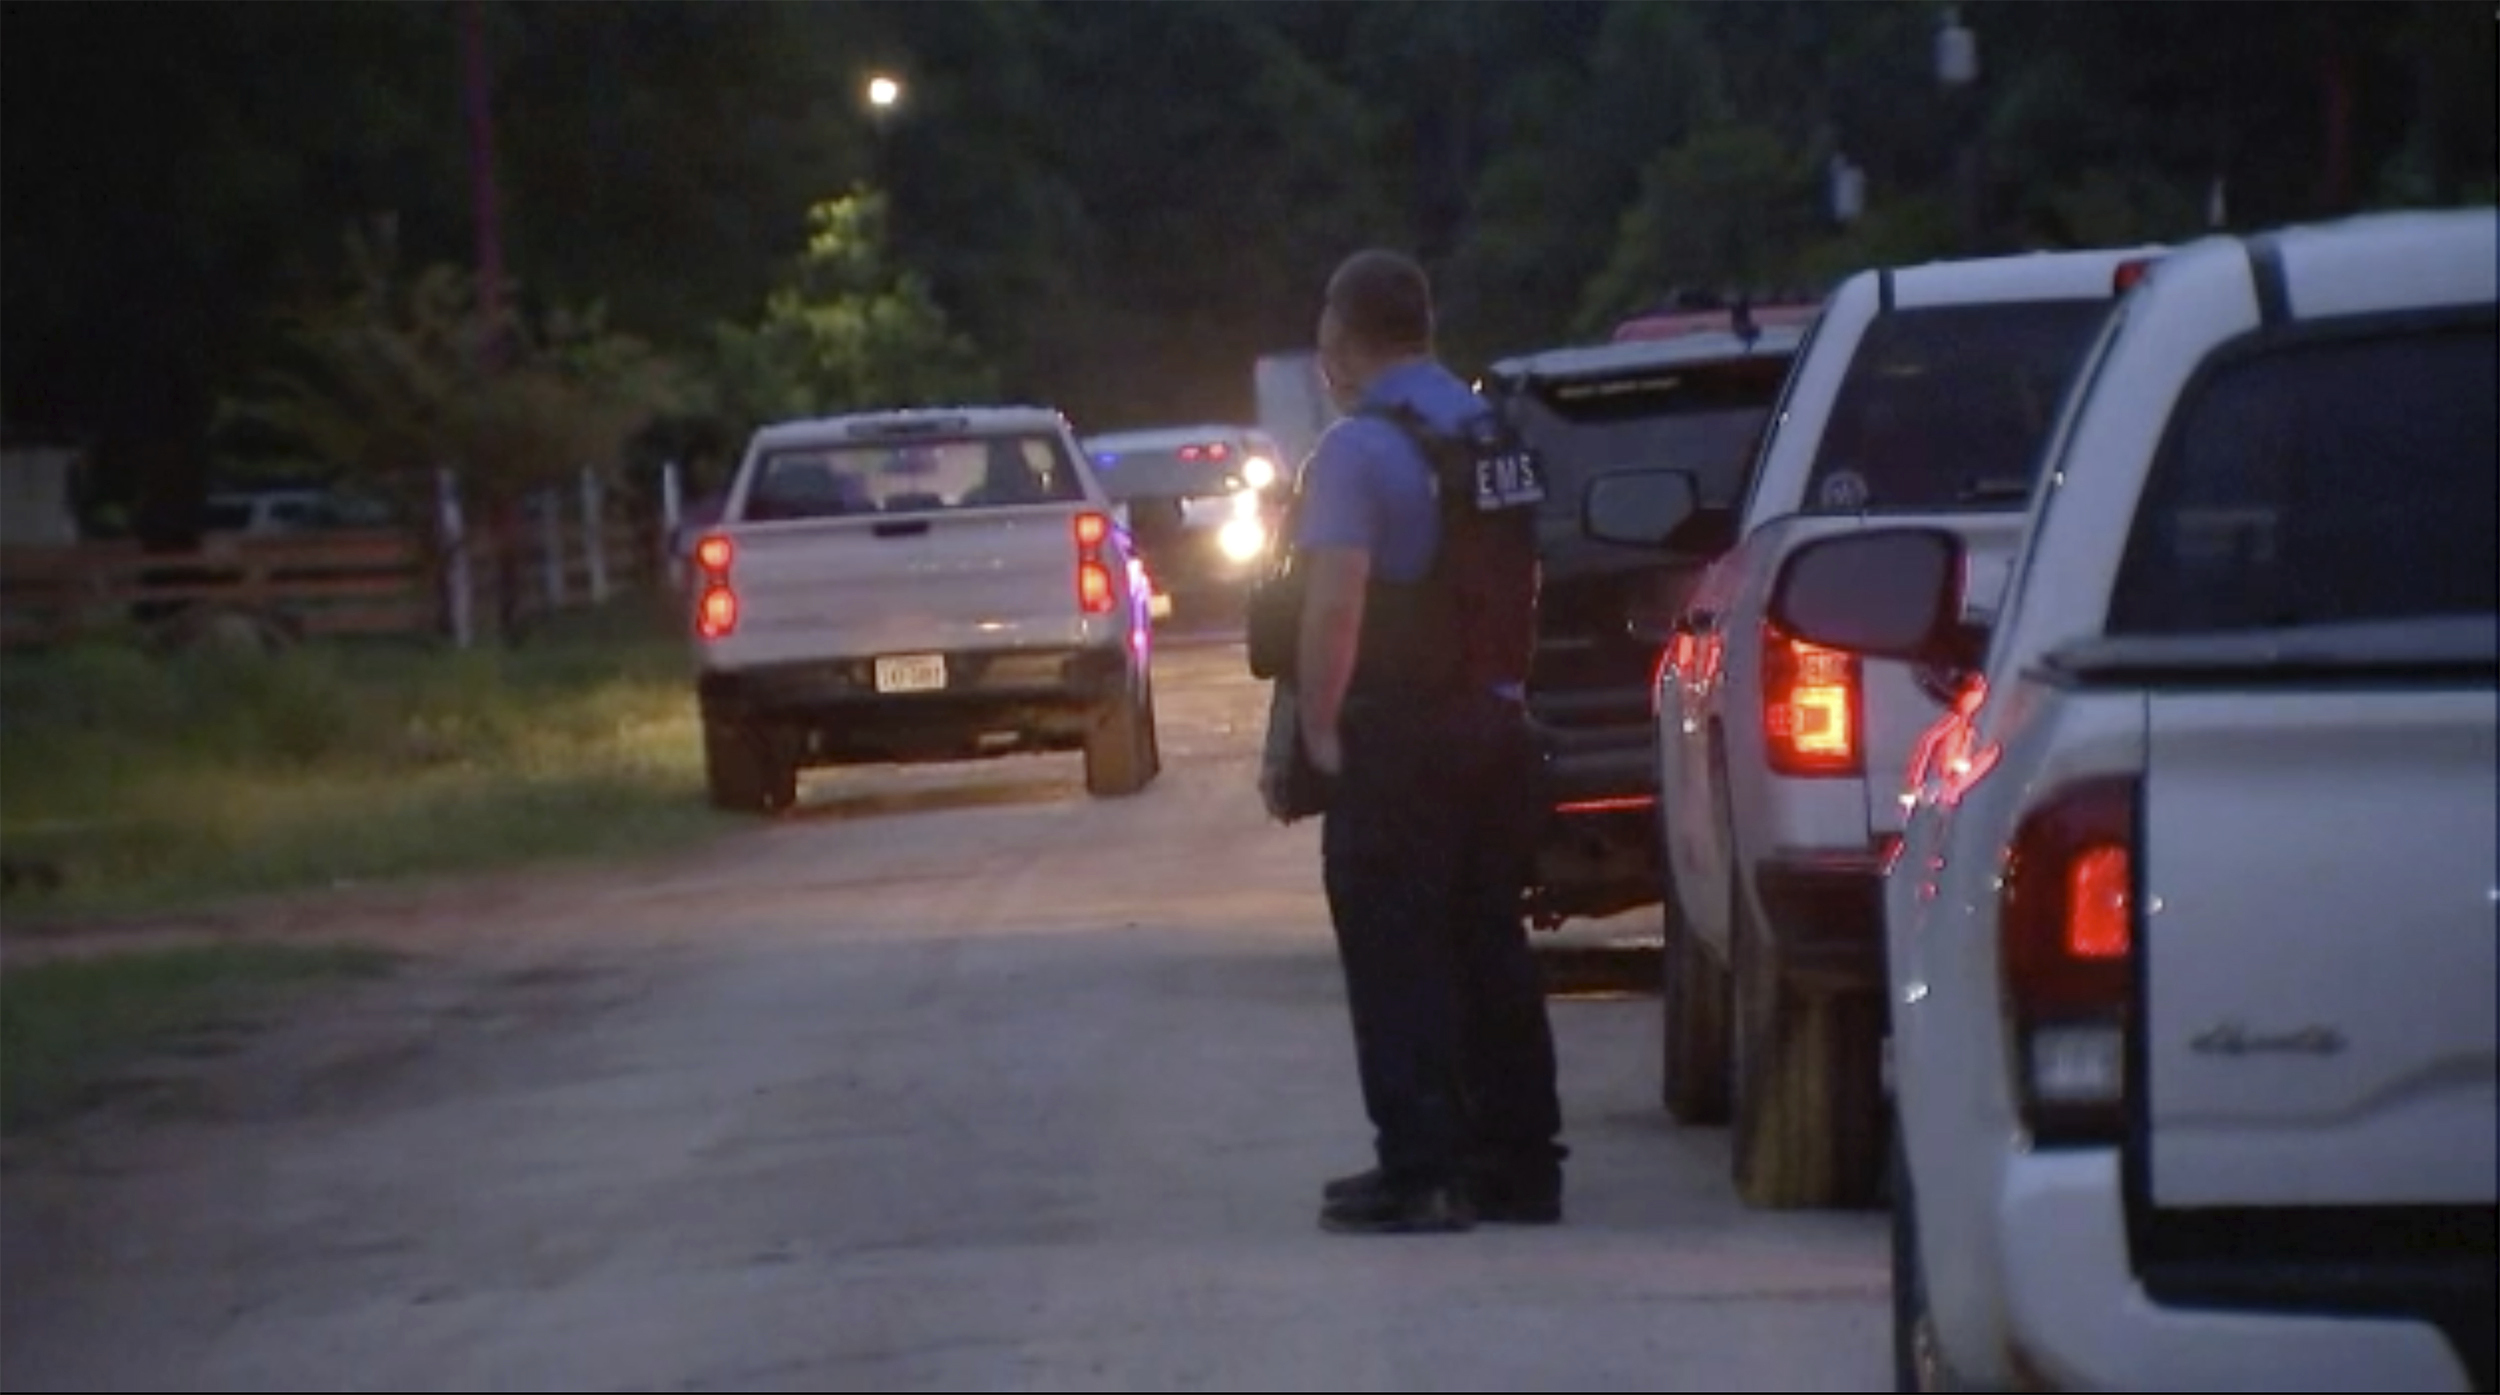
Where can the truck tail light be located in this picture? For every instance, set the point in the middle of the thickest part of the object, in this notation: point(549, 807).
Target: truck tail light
point(1095, 594)
point(2068, 918)
point(716, 601)
point(1810, 709)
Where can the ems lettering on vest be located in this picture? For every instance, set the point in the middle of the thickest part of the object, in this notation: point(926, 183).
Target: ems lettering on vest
point(1508, 480)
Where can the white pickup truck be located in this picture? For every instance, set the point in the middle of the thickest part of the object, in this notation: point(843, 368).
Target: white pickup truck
point(2192, 932)
point(926, 585)
point(1921, 392)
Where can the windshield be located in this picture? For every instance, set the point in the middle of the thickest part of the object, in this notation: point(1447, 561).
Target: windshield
point(1948, 406)
point(1705, 418)
point(919, 476)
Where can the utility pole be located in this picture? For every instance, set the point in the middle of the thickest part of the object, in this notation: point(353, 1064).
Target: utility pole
point(1957, 71)
point(459, 582)
point(484, 205)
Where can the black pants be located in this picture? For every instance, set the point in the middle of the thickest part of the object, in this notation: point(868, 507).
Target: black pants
point(1426, 845)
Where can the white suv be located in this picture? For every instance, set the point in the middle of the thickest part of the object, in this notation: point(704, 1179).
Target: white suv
point(1921, 392)
point(2192, 931)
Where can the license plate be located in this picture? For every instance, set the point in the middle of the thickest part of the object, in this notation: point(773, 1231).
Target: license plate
point(911, 673)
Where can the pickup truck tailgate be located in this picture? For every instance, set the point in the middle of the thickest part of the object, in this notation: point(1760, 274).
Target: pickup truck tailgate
point(998, 578)
point(2318, 889)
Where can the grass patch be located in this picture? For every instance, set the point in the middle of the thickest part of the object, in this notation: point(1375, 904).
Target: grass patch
point(151, 783)
point(67, 1025)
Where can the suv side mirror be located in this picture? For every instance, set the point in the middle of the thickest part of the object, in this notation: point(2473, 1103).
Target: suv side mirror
point(1890, 593)
point(1642, 508)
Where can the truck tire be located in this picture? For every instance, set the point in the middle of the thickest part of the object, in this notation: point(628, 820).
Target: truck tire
point(1808, 1094)
point(1692, 993)
point(1122, 752)
point(747, 770)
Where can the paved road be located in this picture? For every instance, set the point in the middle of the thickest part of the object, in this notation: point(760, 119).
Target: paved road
point(954, 1081)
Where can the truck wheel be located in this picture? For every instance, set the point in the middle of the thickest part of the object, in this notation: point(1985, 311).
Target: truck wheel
point(1122, 752)
point(1808, 1087)
point(1692, 993)
point(747, 770)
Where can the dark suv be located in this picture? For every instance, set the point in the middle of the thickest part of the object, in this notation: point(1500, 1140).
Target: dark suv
point(1697, 401)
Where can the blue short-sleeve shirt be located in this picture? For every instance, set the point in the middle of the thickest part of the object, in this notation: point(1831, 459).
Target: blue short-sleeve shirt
point(1367, 486)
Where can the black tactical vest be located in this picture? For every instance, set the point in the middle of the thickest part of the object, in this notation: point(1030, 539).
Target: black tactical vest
point(1469, 625)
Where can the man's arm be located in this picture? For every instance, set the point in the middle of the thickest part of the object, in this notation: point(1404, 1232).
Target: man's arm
point(1334, 579)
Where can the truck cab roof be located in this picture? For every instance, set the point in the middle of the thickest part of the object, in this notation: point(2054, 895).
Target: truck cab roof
point(913, 421)
point(1636, 355)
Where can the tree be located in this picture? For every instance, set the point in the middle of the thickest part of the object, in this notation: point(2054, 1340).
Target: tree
point(1731, 207)
point(397, 377)
point(846, 331)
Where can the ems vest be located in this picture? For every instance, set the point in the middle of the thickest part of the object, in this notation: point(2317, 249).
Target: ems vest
point(1469, 624)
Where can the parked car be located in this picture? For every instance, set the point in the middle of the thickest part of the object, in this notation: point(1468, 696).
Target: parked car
point(1205, 504)
point(292, 509)
point(2192, 929)
point(1697, 400)
point(923, 585)
point(1921, 392)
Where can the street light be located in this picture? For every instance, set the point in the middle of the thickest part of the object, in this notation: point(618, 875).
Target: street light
point(884, 93)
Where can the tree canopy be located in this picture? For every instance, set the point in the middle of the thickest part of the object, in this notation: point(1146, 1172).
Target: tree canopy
point(1108, 208)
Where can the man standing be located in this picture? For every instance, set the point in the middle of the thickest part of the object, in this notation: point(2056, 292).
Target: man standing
point(1410, 668)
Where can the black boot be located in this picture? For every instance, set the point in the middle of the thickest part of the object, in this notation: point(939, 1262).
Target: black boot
point(1372, 1203)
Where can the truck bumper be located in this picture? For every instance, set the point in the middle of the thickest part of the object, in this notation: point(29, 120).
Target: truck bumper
point(1598, 853)
point(992, 704)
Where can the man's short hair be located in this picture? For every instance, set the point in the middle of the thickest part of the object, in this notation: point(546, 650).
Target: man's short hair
point(1383, 300)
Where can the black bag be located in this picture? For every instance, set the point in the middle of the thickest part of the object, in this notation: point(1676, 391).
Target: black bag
point(1272, 619)
point(1289, 785)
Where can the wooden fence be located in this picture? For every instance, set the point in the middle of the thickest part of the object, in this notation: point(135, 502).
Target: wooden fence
point(311, 585)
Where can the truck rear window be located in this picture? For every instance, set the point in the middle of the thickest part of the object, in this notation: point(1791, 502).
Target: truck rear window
point(2322, 483)
point(1948, 406)
point(916, 476)
point(1706, 418)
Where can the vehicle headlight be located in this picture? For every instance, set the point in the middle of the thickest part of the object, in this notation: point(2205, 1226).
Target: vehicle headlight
point(1242, 538)
point(1258, 472)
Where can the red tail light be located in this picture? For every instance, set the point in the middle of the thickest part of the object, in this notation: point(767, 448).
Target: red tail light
point(2129, 272)
point(2068, 920)
point(1809, 707)
point(716, 615)
point(1094, 592)
point(1093, 588)
point(716, 606)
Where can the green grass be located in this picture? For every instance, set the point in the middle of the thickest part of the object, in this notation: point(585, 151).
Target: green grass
point(68, 1025)
point(156, 783)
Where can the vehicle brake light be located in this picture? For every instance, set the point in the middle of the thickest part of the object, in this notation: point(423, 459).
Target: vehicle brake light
point(716, 615)
point(1094, 592)
point(1093, 588)
point(716, 604)
point(1809, 706)
point(2067, 917)
point(2130, 271)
